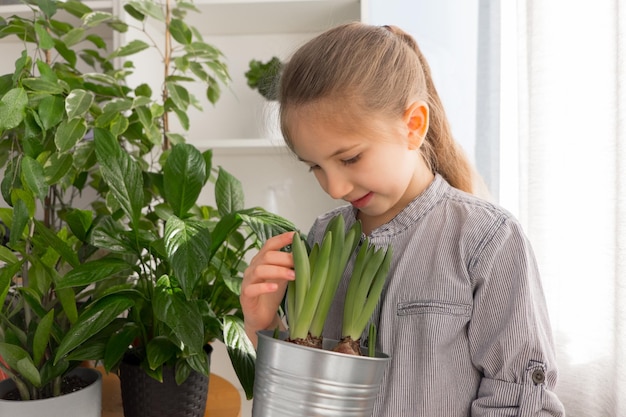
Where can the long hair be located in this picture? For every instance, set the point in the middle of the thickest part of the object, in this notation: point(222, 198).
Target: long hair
point(381, 69)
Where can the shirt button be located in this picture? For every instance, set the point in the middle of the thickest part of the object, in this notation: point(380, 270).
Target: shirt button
point(539, 376)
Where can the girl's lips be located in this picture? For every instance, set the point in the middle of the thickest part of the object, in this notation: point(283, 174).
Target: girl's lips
point(362, 202)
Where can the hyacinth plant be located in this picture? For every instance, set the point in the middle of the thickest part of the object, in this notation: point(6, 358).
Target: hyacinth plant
point(318, 274)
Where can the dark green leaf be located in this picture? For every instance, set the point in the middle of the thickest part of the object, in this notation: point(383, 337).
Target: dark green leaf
point(94, 271)
point(159, 350)
point(187, 244)
point(121, 173)
point(229, 195)
point(118, 344)
point(18, 358)
point(95, 318)
point(51, 240)
point(183, 178)
point(179, 315)
point(42, 336)
point(50, 111)
point(68, 54)
point(20, 220)
point(241, 352)
point(79, 222)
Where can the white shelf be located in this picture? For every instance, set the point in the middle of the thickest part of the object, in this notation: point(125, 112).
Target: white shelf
point(244, 17)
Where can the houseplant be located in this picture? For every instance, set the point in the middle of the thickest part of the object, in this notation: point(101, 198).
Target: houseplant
point(137, 244)
point(334, 377)
point(47, 106)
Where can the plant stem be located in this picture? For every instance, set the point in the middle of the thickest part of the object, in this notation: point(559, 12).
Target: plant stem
point(166, 69)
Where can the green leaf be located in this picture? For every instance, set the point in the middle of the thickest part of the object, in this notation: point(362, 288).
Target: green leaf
point(49, 7)
point(95, 318)
point(181, 316)
point(187, 244)
point(121, 173)
point(57, 166)
point(20, 220)
point(68, 54)
point(94, 19)
point(50, 111)
point(42, 336)
point(69, 133)
point(75, 8)
point(242, 353)
point(130, 48)
point(178, 94)
point(229, 195)
point(7, 255)
point(13, 108)
point(150, 8)
point(18, 358)
point(160, 350)
point(265, 224)
point(183, 178)
point(67, 297)
point(94, 271)
point(78, 102)
point(118, 344)
point(34, 178)
point(43, 37)
point(74, 36)
point(79, 222)
point(49, 239)
point(180, 31)
point(42, 86)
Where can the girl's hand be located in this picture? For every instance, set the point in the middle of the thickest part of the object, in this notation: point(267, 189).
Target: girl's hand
point(264, 285)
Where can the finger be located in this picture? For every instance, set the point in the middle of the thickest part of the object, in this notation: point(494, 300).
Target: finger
point(279, 241)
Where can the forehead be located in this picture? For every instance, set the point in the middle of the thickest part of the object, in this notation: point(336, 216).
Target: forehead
point(325, 126)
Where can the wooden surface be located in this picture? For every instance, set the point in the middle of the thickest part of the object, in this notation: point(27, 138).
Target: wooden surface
point(223, 399)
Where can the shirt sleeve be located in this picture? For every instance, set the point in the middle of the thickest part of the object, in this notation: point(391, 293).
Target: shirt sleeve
point(509, 333)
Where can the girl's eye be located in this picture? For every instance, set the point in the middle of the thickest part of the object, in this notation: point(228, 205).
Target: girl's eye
point(352, 160)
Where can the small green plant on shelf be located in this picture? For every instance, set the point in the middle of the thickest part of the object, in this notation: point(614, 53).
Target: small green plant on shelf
point(264, 76)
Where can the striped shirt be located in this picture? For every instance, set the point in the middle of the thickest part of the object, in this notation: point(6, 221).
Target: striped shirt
point(462, 316)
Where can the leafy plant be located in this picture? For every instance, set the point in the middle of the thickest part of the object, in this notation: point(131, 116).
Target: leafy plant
point(144, 265)
point(263, 76)
point(318, 273)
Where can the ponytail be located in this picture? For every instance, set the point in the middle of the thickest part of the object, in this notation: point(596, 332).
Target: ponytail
point(441, 152)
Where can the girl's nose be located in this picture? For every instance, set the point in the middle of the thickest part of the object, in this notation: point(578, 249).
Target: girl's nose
point(337, 186)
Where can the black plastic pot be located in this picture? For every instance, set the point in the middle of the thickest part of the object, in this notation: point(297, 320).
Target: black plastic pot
point(143, 396)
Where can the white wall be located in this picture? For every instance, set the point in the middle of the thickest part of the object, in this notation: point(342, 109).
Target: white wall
point(447, 33)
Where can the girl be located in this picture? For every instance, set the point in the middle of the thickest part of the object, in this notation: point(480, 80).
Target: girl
point(463, 316)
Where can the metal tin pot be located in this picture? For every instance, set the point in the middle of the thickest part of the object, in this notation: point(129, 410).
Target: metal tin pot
point(293, 380)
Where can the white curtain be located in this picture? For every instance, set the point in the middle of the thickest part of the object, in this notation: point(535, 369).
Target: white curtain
point(563, 172)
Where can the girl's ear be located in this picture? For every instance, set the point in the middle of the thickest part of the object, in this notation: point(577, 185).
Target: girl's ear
point(416, 119)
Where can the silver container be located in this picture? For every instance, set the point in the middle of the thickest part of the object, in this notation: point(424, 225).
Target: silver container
point(293, 380)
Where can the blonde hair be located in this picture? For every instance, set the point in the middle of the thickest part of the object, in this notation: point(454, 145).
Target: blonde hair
point(382, 69)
